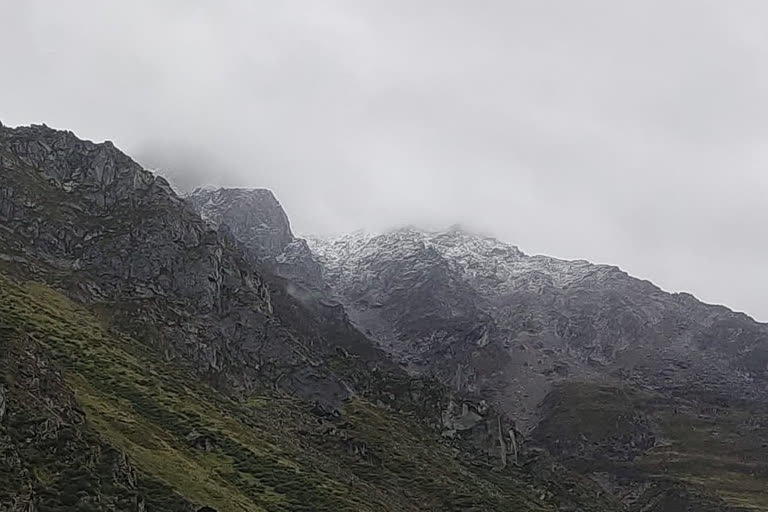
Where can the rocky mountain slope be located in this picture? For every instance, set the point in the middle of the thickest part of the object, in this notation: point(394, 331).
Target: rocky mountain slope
point(95, 420)
point(546, 340)
point(155, 360)
point(190, 353)
point(489, 319)
point(257, 220)
point(653, 395)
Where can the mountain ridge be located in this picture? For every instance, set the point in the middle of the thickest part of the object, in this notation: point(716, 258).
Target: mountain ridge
point(520, 331)
point(321, 243)
point(148, 274)
point(459, 369)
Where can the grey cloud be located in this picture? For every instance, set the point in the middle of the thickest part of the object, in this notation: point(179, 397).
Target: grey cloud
point(625, 132)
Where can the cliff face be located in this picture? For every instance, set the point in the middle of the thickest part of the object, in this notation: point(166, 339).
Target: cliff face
point(258, 221)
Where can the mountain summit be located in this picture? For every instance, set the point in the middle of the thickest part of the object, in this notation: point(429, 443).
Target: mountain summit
point(257, 220)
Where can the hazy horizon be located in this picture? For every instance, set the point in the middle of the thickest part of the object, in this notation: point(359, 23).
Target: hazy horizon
point(631, 134)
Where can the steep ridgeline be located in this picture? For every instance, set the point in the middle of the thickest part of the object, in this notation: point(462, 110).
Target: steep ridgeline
point(90, 221)
point(153, 360)
point(256, 219)
point(619, 378)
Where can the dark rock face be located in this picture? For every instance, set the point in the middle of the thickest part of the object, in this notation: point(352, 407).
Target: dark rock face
point(254, 216)
point(257, 220)
point(112, 234)
point(75, 205)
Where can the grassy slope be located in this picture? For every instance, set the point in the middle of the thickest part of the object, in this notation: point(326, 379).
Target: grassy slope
point(269, 454)
point(712, 447)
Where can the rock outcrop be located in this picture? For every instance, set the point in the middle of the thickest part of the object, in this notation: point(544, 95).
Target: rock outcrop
point(258, 221)
point(3, 402)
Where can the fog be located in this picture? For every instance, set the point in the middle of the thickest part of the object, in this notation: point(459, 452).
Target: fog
point(623, 132)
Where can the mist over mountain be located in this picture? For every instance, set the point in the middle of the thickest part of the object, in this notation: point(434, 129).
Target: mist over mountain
point(627, 135)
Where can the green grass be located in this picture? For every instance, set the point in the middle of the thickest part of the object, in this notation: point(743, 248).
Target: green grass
point(270, 453)
point(710, 449)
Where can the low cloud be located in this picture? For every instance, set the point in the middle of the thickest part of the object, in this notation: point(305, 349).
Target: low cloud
point(630, 133)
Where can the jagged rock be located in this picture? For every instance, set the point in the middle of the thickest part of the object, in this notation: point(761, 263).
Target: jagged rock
point(26, 502)
point(124, 472)
point(257, 220)
point(120, 235)
point(254, 216)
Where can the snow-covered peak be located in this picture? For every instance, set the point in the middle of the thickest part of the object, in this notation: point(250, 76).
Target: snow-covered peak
point(488, 263)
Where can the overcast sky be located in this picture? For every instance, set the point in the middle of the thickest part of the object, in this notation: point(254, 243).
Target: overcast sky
point(625, 132)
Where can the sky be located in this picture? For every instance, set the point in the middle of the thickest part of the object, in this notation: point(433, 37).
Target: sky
point(622, 132)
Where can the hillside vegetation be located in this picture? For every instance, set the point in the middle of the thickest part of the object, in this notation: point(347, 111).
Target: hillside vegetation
point(96, 421)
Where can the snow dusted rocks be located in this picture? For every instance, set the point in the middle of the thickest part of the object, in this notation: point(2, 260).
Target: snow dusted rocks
point(486, 318)
point(490, 265)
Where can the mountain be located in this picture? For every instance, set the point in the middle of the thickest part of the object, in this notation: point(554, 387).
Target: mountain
point(157, 357)
point(258, 221)
point(164, 353)
point(654, 395)
point(490, 319)
point(608, 372)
